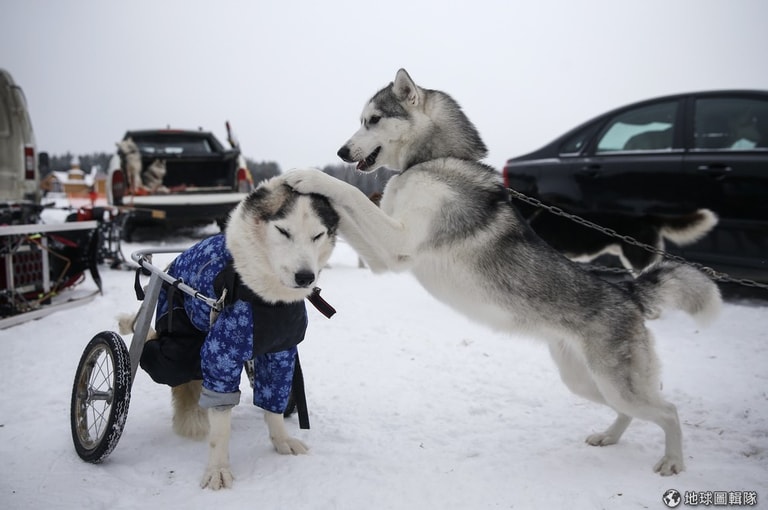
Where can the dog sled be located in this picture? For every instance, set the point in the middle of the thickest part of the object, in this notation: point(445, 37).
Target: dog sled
point(107, 367)
point(40, 262)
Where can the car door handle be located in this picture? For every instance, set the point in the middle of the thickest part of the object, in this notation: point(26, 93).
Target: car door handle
point(589, 170)
point(715, 168)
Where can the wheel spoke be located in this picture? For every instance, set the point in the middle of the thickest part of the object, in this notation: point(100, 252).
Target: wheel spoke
point(97, 397)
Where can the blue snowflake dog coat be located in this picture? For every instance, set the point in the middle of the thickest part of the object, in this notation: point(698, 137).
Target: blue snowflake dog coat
point(262, 268)
point(190, 347)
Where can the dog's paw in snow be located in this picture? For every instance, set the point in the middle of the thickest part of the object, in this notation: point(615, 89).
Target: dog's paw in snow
point(669, 465)
point(283, 443)
point(215, 478)
point(289, 446)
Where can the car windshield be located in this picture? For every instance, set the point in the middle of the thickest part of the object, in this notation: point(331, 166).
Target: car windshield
point(173, 144)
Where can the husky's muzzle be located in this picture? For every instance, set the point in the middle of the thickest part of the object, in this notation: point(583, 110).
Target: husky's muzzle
point(370, 160)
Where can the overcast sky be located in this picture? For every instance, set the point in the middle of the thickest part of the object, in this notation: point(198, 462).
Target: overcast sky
point(292, 76)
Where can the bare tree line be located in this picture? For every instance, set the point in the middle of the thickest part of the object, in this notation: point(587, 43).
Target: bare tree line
point(368, 183)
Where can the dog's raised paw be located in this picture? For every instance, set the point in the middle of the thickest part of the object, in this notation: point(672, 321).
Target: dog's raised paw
point(217, 478)
point(289, 446)
point(307, 180)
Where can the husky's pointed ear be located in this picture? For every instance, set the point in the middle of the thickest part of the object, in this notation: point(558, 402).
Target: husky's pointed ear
point(405, 89)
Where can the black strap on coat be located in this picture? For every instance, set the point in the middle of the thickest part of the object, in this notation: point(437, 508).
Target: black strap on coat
point(299, 395)
point(137, 285)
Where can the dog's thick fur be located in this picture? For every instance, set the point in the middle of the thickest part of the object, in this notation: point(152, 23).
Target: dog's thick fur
point(584, 244)
point(274, 236)
point(446, 218)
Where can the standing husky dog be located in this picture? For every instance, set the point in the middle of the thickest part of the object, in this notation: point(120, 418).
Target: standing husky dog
point(447, 218)
point(263, 267)
point(132, 164)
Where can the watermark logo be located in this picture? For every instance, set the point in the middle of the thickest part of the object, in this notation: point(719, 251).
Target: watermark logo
point(672, 498)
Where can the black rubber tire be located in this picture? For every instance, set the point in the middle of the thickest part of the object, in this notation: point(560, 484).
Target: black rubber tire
point(100, 397)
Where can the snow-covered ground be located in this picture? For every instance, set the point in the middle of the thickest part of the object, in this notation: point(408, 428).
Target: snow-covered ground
point(412, 407)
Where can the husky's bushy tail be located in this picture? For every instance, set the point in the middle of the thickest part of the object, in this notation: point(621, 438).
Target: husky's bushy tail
point(672, 285)
point(690, 228)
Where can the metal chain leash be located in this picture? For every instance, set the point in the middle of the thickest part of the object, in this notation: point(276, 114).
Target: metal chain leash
point(715, 275)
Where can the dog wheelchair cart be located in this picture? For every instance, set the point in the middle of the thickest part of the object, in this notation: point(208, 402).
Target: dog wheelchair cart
point(102, 388)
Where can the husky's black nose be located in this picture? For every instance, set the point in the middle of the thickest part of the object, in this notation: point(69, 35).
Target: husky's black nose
point(304, 278)
point(344, 153)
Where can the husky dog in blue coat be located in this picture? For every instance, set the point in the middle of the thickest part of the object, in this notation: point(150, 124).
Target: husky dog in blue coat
point(265, 264)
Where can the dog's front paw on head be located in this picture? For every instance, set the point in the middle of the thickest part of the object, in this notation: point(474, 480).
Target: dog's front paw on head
point(307, 180)
point(215, 478)
point(289, 446)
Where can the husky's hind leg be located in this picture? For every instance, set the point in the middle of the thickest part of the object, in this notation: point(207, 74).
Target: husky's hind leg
point(578, 379)
point(189, 419)
point(612, 434)
point(633, 388)
point(652, 407)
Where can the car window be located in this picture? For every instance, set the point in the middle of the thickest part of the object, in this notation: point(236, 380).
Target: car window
point(730, 124)
point(575, 143)
point(648, 128)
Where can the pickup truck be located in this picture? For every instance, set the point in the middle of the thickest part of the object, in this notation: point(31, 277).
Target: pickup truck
point(202, 183)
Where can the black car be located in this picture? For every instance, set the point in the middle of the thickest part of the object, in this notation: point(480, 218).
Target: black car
point(667, 157)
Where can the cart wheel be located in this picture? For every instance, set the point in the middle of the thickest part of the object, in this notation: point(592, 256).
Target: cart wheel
point(100, 397)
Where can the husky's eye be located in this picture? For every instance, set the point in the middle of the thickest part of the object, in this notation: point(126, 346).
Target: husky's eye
point(374, 120)
point(283, 231)
point(318, 236)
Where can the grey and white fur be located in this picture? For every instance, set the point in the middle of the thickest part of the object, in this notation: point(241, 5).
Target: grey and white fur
point(447, 219)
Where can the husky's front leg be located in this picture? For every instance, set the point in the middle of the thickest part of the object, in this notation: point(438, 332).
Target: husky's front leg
point(218, 474)
point(282, 442)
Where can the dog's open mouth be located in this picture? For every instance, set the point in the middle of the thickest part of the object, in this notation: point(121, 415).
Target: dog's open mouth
point(369, 160)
